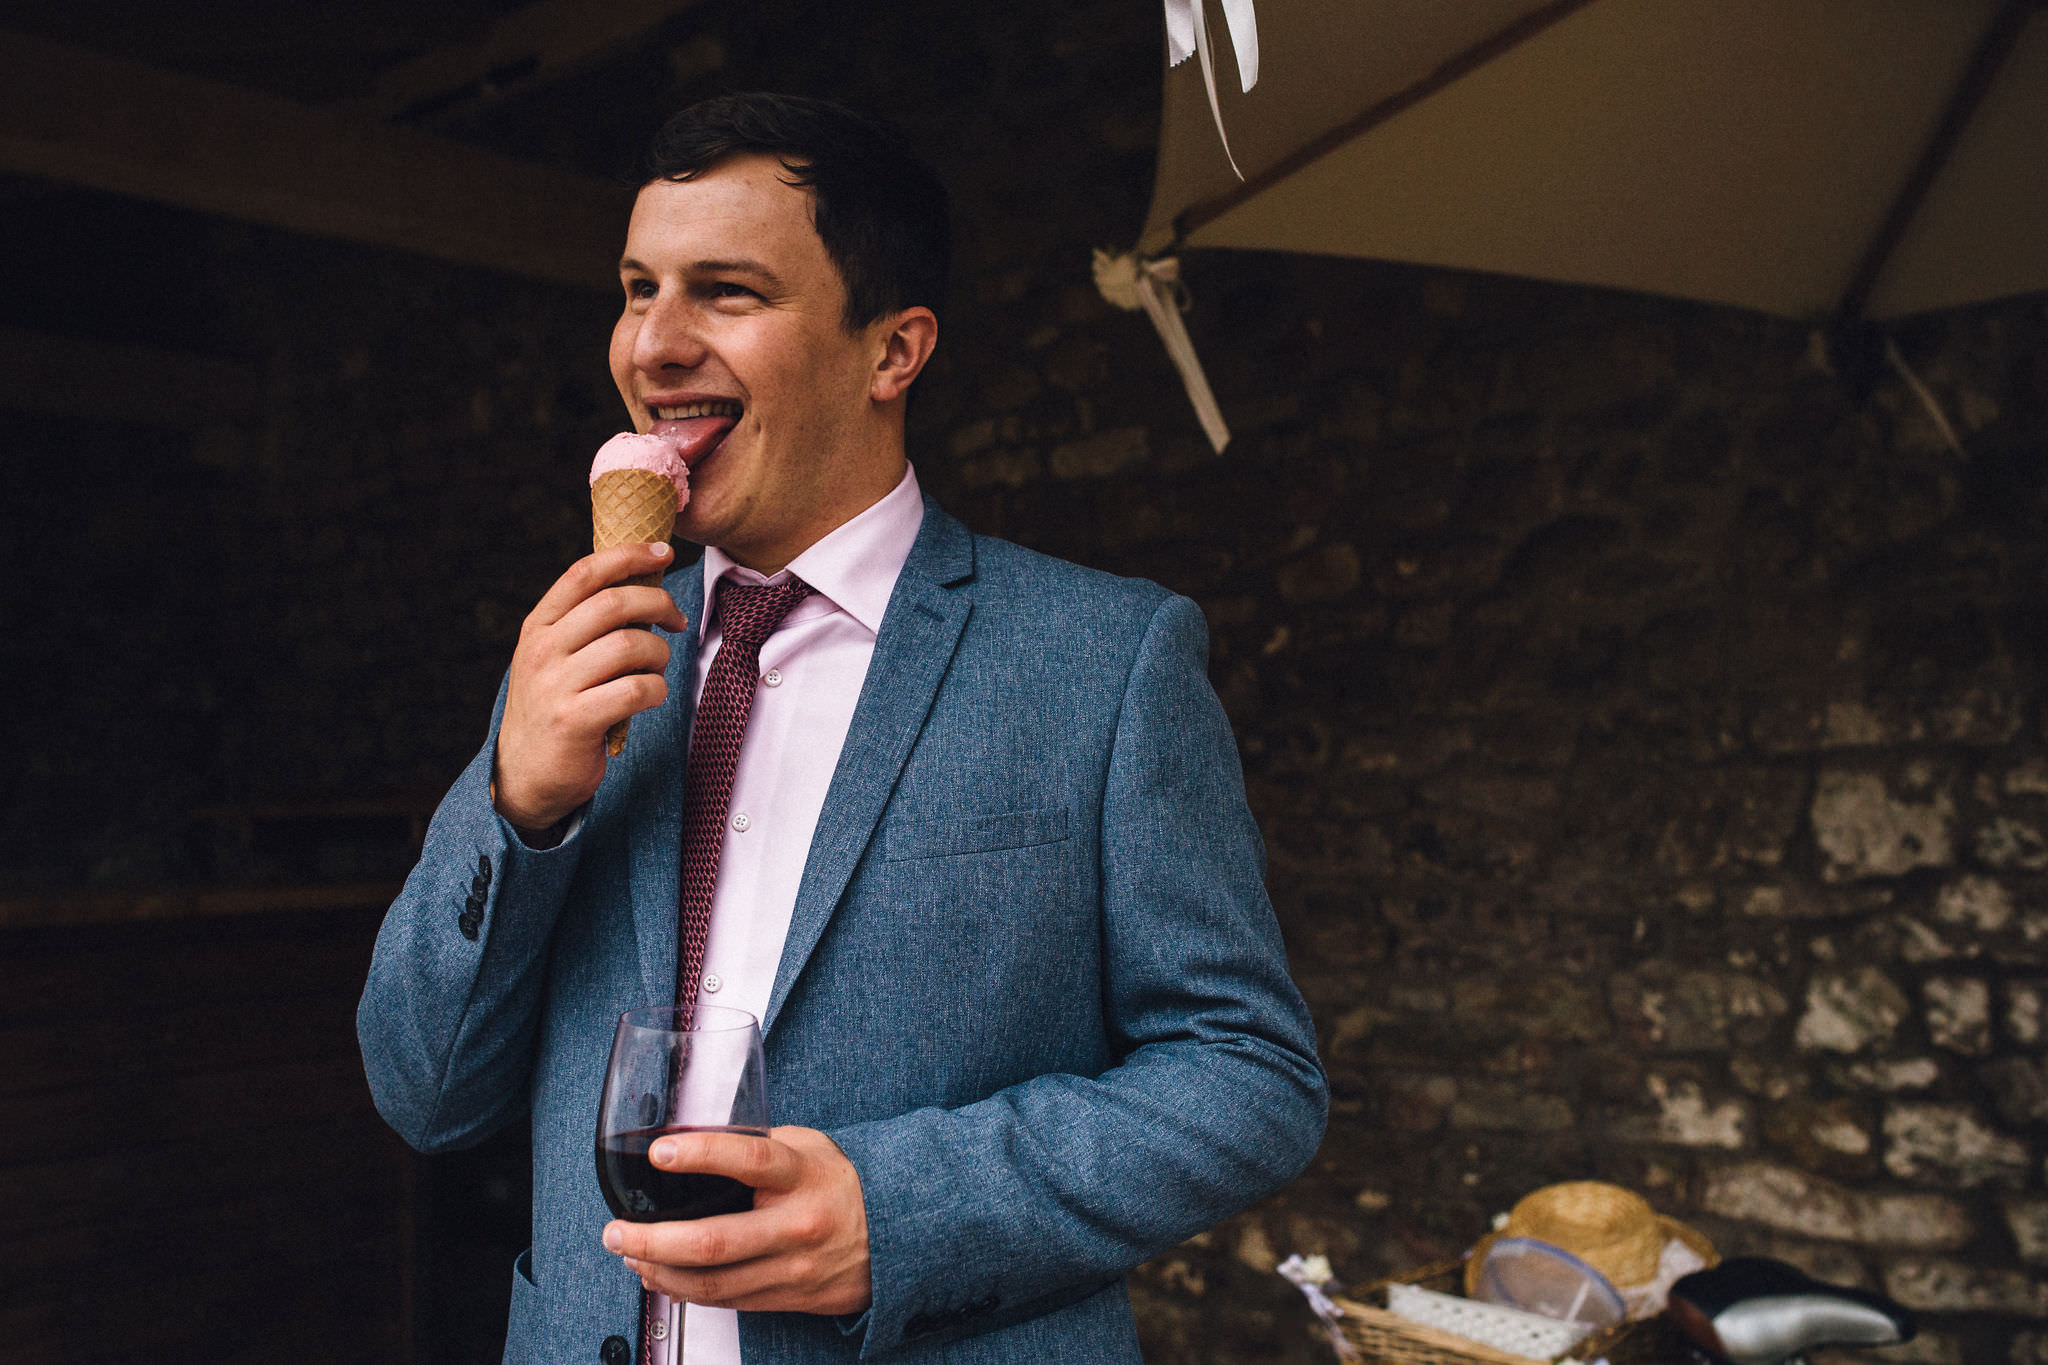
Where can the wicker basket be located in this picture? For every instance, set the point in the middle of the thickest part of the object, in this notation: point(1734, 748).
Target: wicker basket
point(1382, 1337)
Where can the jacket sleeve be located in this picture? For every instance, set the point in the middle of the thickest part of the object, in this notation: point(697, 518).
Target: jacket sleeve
point(449, 1014)
point(1056, 1186)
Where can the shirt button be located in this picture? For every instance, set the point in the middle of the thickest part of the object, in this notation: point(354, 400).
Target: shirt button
point(773, 677)
point(712, 982)
point(742, 822)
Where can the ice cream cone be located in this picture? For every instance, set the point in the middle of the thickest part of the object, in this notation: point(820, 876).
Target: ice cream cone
point(630, 506)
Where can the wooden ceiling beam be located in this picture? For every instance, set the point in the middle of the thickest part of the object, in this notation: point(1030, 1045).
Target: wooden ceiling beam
point(75, 377)
point(525, 49)
point(68, 113)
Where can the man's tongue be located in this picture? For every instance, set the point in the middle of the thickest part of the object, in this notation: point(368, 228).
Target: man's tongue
point(695, 437)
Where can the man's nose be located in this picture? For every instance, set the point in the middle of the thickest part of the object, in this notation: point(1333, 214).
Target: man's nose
point(669, 336)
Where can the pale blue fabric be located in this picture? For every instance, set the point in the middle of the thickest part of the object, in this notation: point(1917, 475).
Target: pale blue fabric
point(1032, 987)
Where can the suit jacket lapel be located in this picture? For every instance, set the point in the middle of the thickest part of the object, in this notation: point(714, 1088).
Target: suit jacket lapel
point(661, 741)
point(920, 631)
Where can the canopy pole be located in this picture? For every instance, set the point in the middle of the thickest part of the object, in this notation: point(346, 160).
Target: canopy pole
point(1991, 52)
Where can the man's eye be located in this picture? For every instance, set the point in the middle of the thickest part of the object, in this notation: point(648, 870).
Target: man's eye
point(726, 289)
point(639, 289)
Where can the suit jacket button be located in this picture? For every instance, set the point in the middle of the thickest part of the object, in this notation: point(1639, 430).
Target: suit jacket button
point(469, 924)
point(615, 1351)
point(483, 869)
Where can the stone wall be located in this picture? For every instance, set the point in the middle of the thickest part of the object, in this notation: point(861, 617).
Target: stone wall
point(1647, 737)
point(1647, 731)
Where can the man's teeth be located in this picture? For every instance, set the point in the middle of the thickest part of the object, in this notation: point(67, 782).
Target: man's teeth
point(697, 410)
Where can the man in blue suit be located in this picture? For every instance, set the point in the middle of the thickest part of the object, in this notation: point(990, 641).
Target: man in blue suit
point(1026, 1013)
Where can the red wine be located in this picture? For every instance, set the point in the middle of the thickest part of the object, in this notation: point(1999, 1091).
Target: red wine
point(638, 1191)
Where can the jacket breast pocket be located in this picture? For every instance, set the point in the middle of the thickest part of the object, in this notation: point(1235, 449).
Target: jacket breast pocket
point(908, 839)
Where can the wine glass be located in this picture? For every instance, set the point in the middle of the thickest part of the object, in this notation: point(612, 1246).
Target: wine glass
point(669, 1073)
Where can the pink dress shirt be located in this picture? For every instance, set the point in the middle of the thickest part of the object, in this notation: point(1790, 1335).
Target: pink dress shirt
point(811, 675)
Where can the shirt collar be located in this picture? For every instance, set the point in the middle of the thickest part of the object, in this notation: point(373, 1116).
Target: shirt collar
point(854, 566)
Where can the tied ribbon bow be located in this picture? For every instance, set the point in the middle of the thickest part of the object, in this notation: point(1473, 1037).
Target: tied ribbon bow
point(1131, 282)
point(1187, 35)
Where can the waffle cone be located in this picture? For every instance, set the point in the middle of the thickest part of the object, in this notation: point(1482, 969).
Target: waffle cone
point(630, 506)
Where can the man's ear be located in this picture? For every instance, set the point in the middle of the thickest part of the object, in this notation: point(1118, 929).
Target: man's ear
point(907, 341)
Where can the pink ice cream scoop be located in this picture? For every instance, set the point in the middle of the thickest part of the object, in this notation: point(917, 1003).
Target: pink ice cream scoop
point(655, 454)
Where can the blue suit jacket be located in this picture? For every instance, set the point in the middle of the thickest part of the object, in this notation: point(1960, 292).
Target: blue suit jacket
point(1032, 986)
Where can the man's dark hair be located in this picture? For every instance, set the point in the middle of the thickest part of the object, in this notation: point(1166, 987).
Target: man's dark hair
point(881, 212)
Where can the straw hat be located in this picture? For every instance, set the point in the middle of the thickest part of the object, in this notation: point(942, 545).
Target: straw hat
point(1609, 1228)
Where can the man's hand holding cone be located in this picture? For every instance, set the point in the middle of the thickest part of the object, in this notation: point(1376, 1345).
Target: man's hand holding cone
point(586, 662)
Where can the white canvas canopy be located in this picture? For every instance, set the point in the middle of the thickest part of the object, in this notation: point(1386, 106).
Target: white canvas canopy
point(1808, 158)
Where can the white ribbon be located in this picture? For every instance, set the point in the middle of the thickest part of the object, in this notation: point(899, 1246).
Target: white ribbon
point(1131, 283)
point(1187, 35)
point(1311, 1275)
point(1926, 397)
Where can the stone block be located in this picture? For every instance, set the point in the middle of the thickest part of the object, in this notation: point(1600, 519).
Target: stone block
point(1864, 831)
point(1779, 902)
point(2011, 845)
point(1890, 1076)
point(2030, 1348)
point(1417, 1103)
point(1850, 1011)
point(1693, 1011)
point(1513, 798)
point(2026, 1011)
point(1008, 386)
point(1494, 1106)
point(1688, 1118)
point(1100, 455)
point(2028, 1221)
point(1438, 567)
point(2029, 778)
point(1006, 468)
point(1425, 625)
point(1959, 1014)
point(1077, 363)
point(1729, 817)
point(1975, 902)
point(1414, 749)
point(1327, 572)
point(1796, 1201)
point(2018, 1088)
point(1949, 1144)
point(1978, 715)
point(1939, 1285)
point(1917, 941)
point(1546, 1007)
point(1789, 725)
point(1770, 1080)
point(1824, 1135)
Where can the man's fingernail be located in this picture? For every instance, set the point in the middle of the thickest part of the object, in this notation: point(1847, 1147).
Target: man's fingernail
point(661, 549)
point(662, 1152)
point(612, 1239)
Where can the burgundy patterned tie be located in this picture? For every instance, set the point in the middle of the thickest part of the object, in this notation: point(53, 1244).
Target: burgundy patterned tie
point(746, 616)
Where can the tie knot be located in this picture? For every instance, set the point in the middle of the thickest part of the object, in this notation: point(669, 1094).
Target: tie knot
point(748, 614)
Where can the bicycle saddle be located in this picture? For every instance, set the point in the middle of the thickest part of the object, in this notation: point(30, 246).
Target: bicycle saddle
point(1751, 1310)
